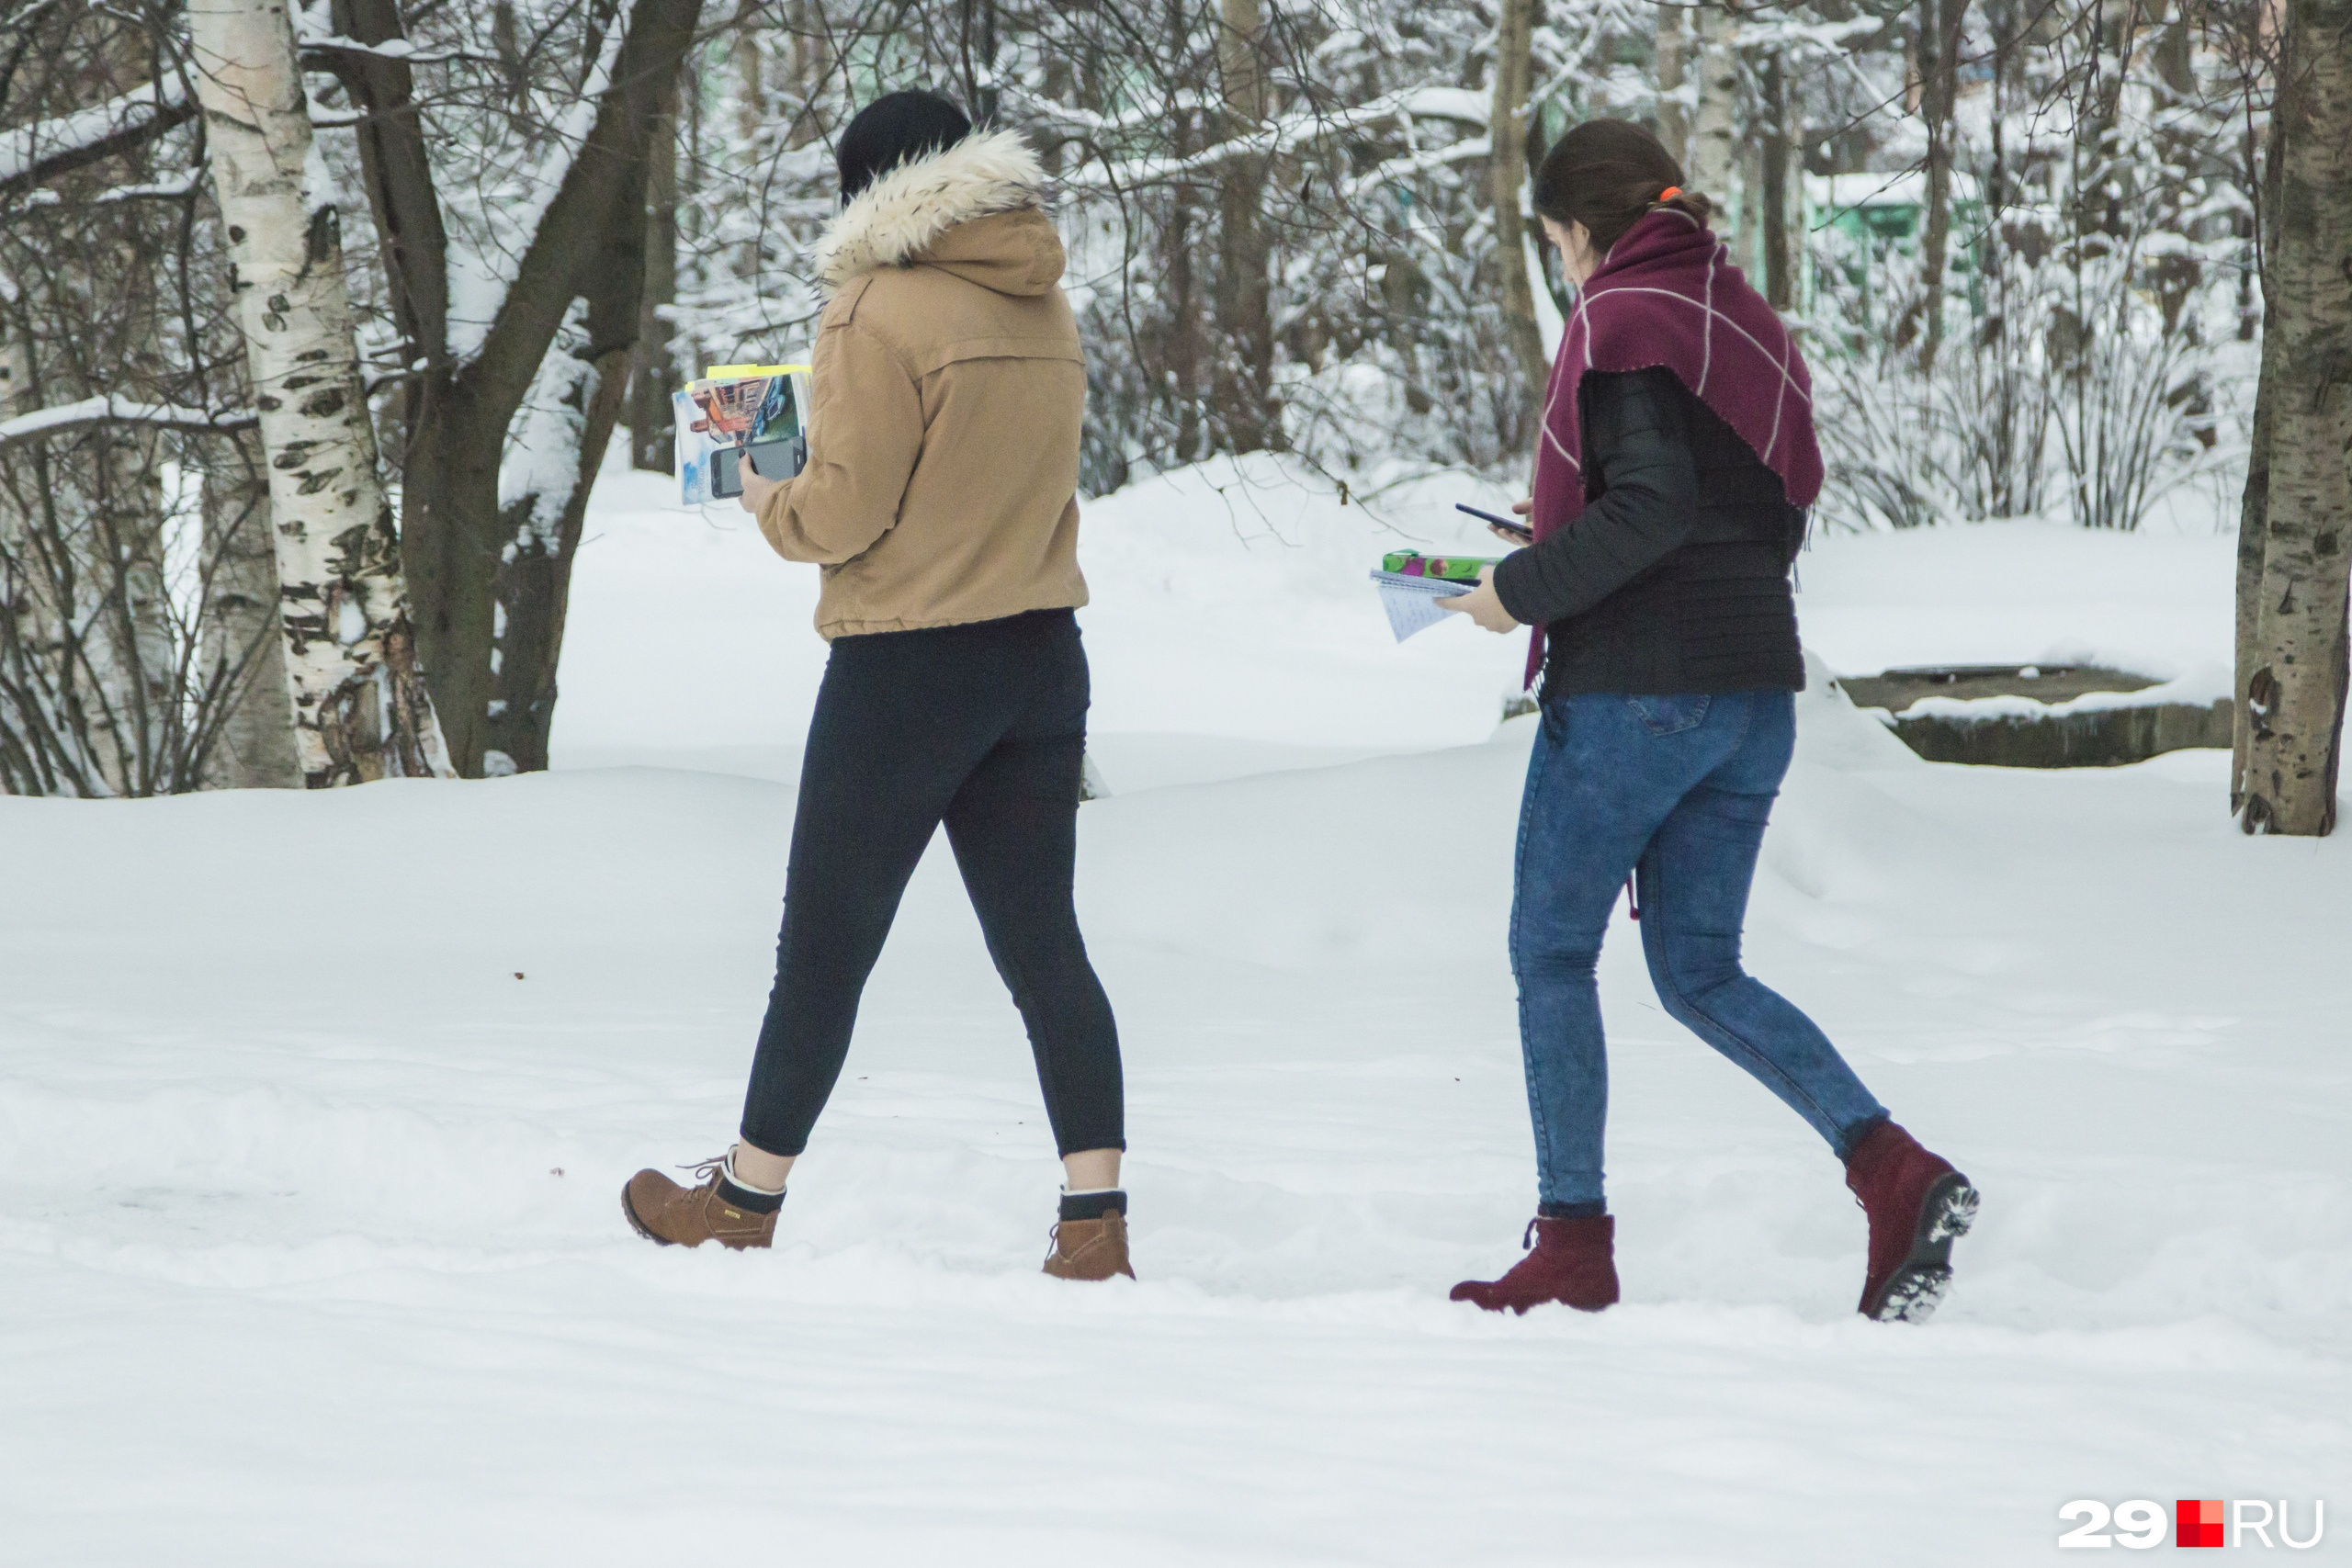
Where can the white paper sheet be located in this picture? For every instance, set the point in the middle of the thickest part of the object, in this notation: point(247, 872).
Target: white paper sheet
point(1411, 602)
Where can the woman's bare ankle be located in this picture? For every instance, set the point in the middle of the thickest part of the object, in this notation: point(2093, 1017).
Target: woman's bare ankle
point(756, 1168)
point(1091, 1170)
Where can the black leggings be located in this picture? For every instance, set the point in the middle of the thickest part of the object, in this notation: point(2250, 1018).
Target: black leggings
point(982, 727)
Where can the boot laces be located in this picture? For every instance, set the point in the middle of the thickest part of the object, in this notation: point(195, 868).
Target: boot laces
point(708, 1171)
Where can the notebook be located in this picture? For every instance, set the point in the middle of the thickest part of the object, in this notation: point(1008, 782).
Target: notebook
point(1411, 583)
point(1411, 600)
point(738, 414)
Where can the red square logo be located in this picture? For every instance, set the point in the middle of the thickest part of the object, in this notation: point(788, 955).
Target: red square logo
point(2197, 1522)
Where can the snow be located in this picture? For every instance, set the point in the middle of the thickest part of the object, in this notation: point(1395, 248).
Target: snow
point(1463, 104)
point(1272, 137)
point(1976, 710)
point(2157, 602)
point(311, 1237)
point(1902, 188)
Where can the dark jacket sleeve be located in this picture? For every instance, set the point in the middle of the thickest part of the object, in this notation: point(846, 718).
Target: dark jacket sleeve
point(1637, 439)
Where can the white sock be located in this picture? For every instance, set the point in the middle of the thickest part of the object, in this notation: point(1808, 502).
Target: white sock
point(762, 1191)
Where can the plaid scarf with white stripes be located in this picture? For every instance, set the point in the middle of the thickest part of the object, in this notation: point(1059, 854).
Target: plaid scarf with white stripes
point(1667, 293)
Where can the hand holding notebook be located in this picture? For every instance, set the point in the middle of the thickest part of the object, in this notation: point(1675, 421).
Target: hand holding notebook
point(1412, 584)
point(741, 418)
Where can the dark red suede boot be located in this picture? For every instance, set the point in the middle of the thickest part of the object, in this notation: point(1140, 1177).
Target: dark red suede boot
point(1918, 1206)
point(1573, 1263)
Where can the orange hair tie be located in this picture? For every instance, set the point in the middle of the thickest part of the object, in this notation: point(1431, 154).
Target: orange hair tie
point(1670, 193)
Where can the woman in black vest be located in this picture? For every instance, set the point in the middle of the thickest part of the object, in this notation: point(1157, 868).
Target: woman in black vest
point(1677, 458)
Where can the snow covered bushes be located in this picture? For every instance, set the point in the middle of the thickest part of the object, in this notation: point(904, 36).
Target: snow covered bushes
point(2085, 344)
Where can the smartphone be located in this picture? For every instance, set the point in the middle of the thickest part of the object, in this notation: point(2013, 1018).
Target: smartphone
point(777, 459)
point(1519, 531)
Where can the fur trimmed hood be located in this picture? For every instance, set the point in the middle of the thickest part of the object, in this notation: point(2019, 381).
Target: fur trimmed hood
point(903, 214)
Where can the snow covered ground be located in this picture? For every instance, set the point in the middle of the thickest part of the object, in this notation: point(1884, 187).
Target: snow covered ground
point(310, 1253)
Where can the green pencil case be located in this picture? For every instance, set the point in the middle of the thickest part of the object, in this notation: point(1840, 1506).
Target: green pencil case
point(1454, 568)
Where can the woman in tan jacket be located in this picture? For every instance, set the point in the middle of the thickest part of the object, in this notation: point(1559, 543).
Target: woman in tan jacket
point(940, 504)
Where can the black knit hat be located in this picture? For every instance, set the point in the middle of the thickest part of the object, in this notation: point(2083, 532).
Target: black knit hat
point(895, 130)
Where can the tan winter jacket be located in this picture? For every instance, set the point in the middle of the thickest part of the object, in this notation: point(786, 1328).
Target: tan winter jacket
point(948, 390)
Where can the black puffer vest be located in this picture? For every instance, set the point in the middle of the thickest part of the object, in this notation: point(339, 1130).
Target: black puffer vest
point(1675, 576)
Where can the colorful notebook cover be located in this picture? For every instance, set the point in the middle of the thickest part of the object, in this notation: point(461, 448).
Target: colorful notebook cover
point(737, 407)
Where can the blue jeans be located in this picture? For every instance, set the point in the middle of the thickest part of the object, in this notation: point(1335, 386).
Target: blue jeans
point(1674, 790)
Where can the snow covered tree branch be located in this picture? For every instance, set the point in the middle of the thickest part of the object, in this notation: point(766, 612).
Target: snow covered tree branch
point(114, 409)
point(36, 153)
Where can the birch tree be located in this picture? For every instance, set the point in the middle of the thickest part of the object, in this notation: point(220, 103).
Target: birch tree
point(2292, 715)
point(1670, 58)
point(360, 707)
point(116, 390)
point(244, 642)
point(1713, 161)
point(1506, 176)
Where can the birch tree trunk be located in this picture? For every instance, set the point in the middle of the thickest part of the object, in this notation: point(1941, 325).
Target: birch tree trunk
point(1714, 160)
point(1673, 118)
point(2253, 511)
point(2254, 530)
point(1506, 173)
point(360, 707)
point(245, 649)
point(2294, 704)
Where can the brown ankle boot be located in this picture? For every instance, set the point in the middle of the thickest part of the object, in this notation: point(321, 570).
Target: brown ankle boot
point(660, 1210)
point(1090, 1249)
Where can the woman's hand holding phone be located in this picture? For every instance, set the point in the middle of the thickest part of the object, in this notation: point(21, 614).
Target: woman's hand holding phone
point(1520, 537)
point(1508, 531)
point(757, 489)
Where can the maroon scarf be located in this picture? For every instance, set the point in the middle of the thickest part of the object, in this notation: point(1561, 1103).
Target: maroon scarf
point(1667, 293)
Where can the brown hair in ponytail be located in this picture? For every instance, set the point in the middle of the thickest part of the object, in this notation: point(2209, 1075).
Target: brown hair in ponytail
point(1608, 174)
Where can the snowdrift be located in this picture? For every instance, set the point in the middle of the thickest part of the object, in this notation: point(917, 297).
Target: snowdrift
point(308, 1231)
